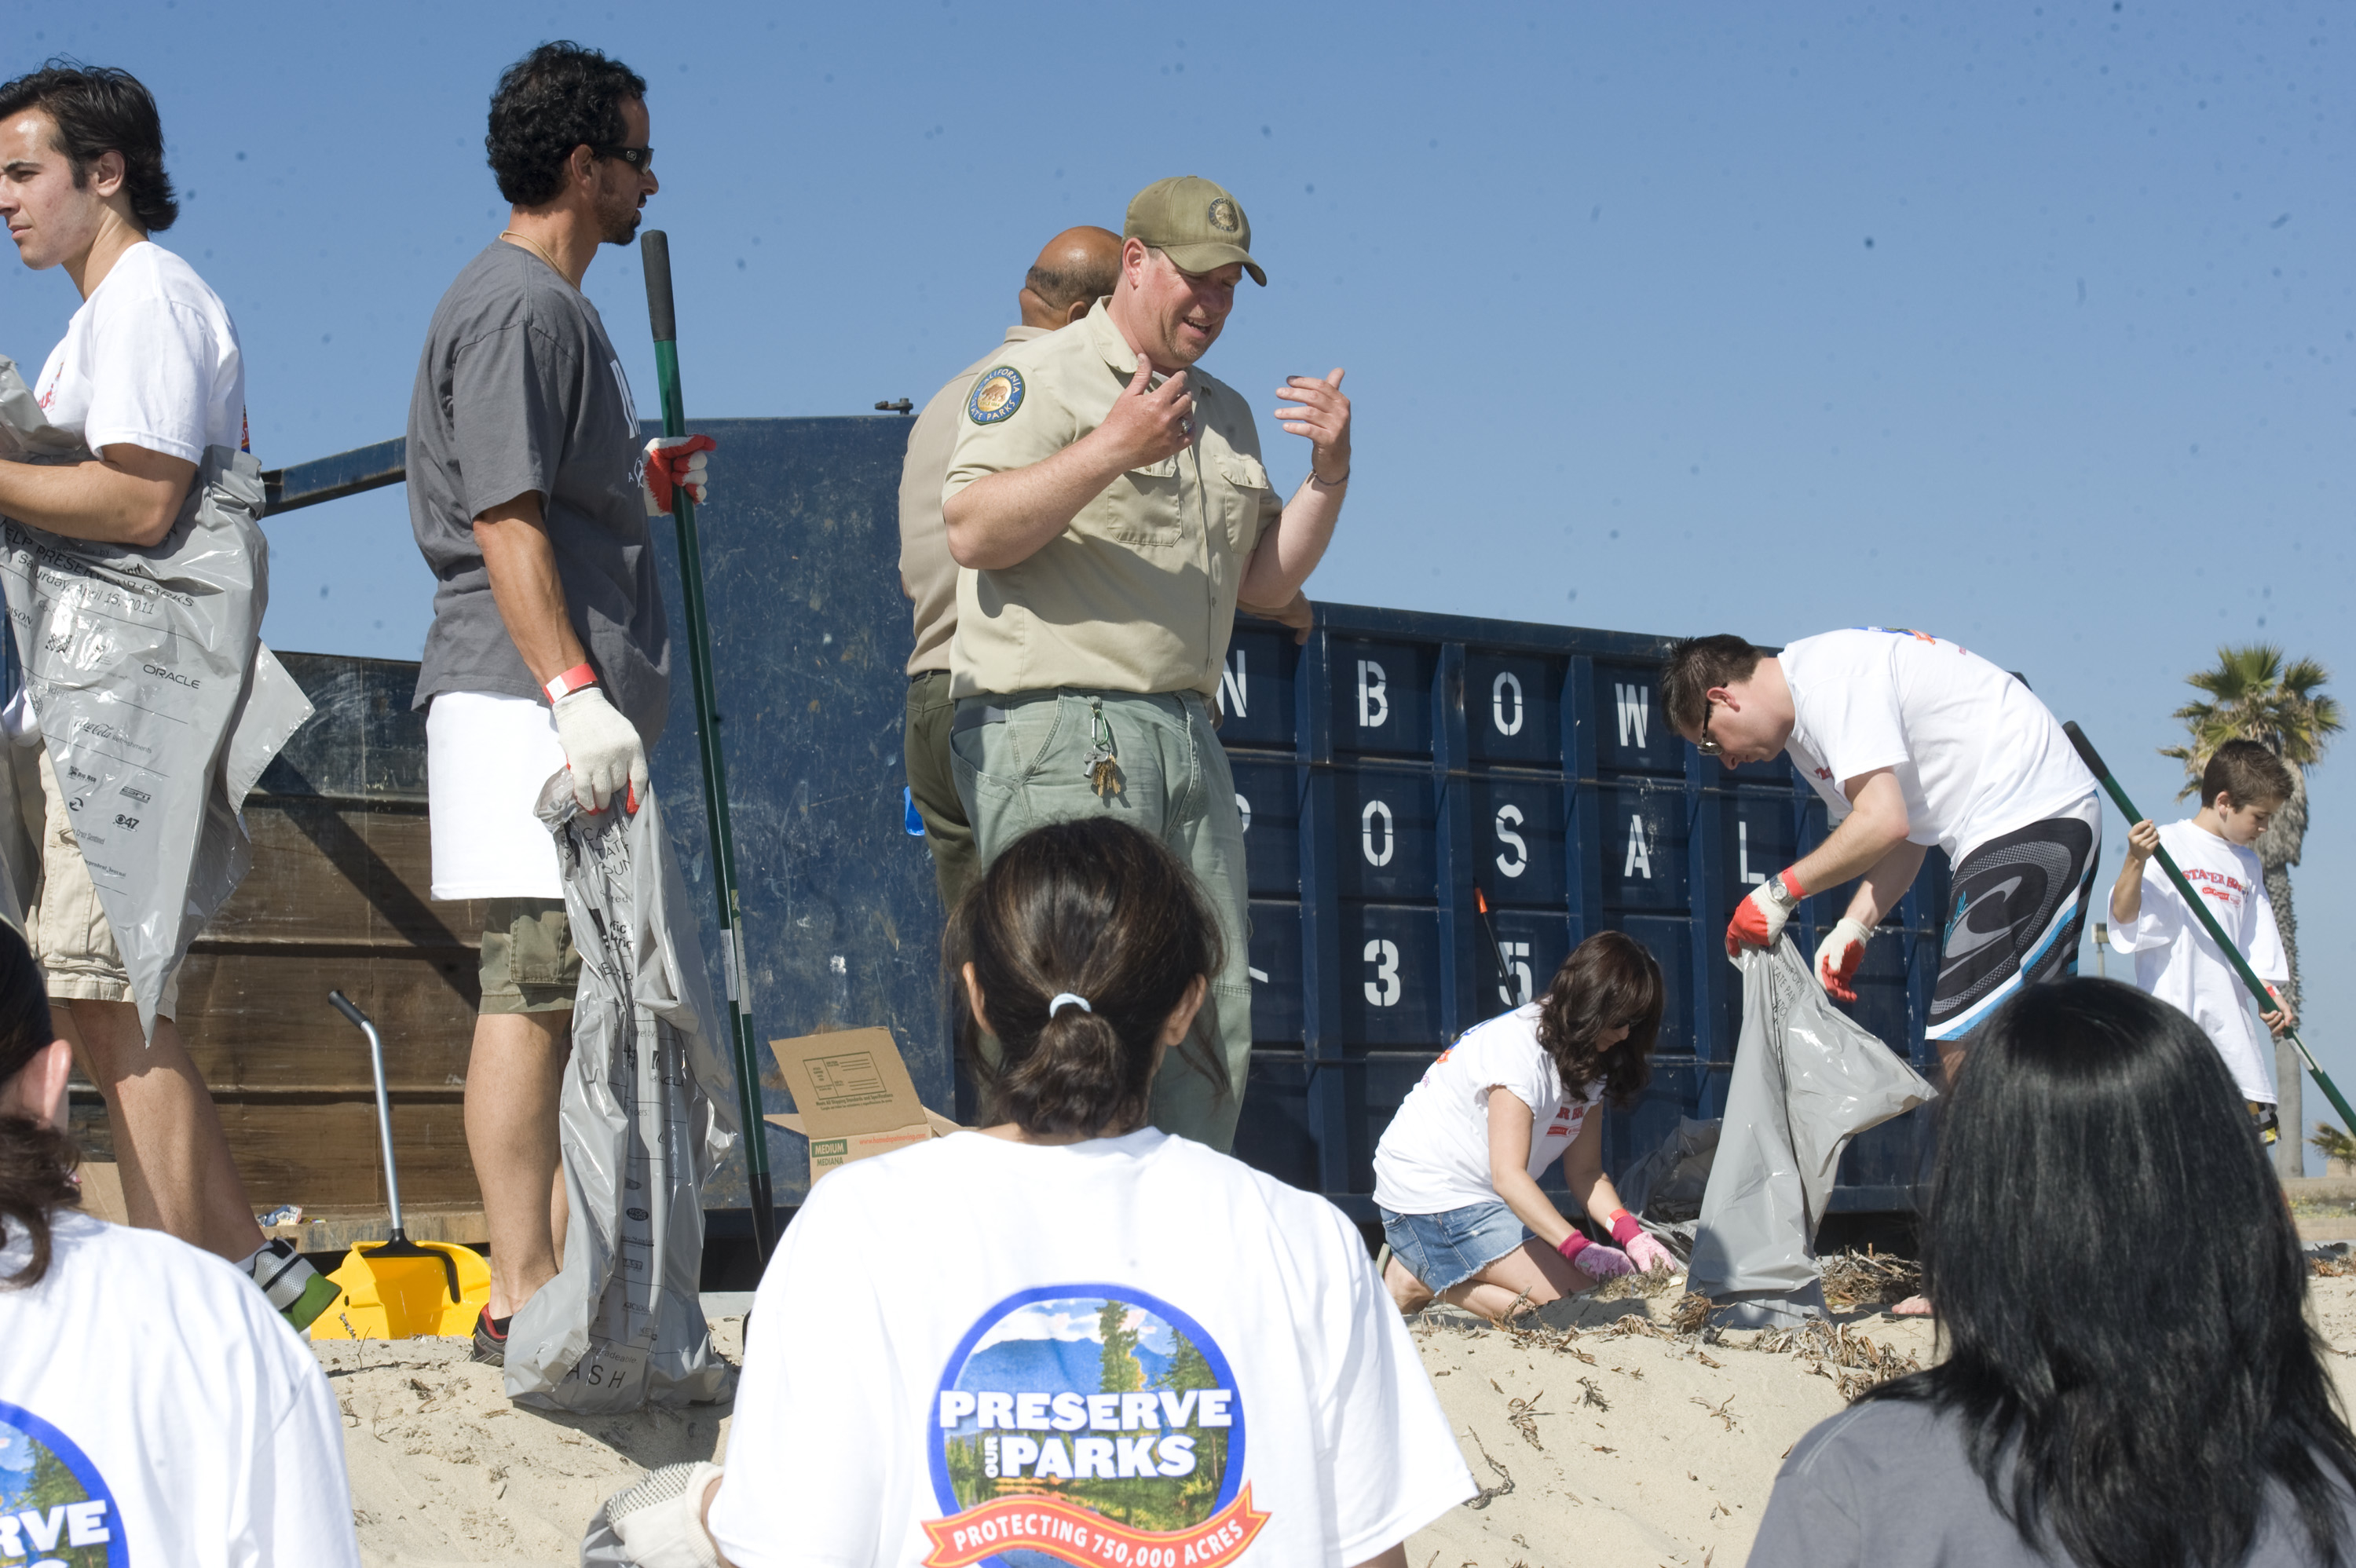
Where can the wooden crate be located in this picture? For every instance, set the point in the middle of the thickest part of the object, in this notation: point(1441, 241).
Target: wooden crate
point(337, 898)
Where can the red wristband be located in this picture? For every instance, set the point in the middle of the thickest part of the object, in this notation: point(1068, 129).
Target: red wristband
point(1573, 1245)
point(1625, 1227)
point(571, 681)
point(1792, 883)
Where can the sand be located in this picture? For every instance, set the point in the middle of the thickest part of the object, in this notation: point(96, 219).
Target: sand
point(1611, 1438)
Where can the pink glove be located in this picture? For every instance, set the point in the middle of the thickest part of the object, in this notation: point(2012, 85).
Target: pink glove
point(1595, 1260)
point(1758, 918)
point(1643, 1251)
point(1838, 957)
point(673, 461)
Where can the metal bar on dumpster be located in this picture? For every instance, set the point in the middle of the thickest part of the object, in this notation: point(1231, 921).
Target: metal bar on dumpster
point(2267, 1001)
point(654, 248)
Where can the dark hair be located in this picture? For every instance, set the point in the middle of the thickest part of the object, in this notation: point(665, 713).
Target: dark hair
point(1693, 665)
point(1098, 909)
point(99, 109)
point(2122, 1292)
point(1609, 979)
point(37, 1162)
point(558, 96)
point(2248, 772)
point(1065, 288)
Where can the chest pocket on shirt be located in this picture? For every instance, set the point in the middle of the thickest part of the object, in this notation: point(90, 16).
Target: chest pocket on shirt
point(1245, 490)
point(1142, 507)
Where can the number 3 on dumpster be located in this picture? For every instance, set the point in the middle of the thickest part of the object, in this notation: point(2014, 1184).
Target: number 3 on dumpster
point(1383, 989)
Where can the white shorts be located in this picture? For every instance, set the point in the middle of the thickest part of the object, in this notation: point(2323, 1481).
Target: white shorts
point(485, 760)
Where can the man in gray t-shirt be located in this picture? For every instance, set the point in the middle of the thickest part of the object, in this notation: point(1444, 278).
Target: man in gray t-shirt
point(530, 493)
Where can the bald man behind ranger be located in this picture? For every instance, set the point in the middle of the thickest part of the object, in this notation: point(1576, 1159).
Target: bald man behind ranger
point(1111, 504)
point(1071, 273)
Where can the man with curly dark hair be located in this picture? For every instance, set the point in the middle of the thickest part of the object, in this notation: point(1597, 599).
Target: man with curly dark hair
point(149, 377)
point(531, 492)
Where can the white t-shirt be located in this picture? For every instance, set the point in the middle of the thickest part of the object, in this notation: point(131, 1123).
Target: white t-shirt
point(1434, 1156)
point(151, 1401)
point(486, 757)
point(1977, 754)
point(150, 360)
point(2176, 962)
point(970, 1342)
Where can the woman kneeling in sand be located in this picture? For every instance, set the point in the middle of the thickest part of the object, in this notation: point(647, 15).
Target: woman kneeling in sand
point(1069, 1337)
point(1456, 1173)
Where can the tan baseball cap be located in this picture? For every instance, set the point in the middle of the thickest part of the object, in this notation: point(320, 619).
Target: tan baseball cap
point(1195, 223)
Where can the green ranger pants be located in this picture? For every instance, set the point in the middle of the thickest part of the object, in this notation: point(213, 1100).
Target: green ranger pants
point(1020, 762)
point(932, 787)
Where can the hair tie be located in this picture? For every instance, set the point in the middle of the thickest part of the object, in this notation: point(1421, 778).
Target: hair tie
point(1062, 996)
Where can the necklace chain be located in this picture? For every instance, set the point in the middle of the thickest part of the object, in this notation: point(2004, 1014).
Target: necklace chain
point(538, 250)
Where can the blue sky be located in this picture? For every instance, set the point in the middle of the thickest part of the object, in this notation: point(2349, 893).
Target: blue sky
point(2028, 324)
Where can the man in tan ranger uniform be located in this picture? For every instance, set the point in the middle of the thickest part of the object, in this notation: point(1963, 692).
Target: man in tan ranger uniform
point(1109, 504)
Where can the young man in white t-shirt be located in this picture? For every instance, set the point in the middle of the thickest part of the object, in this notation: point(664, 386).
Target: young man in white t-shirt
point(150, 375)
point(2241, 789)
point(1911, 741)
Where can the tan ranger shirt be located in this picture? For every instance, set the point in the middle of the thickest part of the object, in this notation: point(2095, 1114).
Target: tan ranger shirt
point(928, 575)
point(1139, 593)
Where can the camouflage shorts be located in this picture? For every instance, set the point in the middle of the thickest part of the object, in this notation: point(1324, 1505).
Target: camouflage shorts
point(530, 964)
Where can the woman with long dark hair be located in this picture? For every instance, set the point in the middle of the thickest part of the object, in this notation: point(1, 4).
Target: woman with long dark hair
point(2131, 1380)
point(153, 1406)
point(1068, 1337)
point(1456, 1172)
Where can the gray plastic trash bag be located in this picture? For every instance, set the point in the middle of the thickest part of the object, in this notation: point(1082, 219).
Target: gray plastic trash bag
point(1667, 1185)
point(1807, 1079)
point(155, 698)
point(648, 1113)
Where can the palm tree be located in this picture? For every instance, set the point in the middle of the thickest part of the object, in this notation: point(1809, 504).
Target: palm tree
point(2253, 696)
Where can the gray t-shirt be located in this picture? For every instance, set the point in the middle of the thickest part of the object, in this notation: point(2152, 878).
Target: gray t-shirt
point(520, 390)
point(1889, 1482)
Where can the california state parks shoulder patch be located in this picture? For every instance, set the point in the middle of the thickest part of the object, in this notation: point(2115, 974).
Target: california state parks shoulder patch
point(1089, 1425)
point(995, 396)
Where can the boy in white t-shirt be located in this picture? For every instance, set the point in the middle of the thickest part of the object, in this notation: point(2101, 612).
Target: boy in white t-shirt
point(1911, 742)
point(2241, 789)
point(150, 377)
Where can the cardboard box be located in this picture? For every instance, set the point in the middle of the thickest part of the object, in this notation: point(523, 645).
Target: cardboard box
point(101, 1193)
point(854, 1097)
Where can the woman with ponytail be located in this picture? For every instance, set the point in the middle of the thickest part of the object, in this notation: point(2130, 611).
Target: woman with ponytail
point(153, 1406)
point(1066, 1337)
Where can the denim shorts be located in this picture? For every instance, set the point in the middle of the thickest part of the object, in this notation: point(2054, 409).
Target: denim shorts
point(1447, 1248)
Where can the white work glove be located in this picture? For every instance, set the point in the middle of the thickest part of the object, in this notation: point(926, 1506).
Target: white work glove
point(1838, 957)
point(1758, 918)
point(601, 747)
point(673, 461)
point(660, 1519)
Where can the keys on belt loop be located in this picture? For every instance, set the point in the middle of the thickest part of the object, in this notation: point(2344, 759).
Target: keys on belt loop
point(1102, 768)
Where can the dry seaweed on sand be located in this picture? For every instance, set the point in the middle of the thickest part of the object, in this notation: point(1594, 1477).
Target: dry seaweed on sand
point(1852, 1361)
point(1868, 1278)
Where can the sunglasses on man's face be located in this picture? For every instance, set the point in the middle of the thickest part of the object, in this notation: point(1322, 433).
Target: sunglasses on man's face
point(639, 158)
point(1705, 746)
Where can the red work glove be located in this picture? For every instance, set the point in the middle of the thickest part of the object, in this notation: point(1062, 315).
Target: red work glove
point(1837, 958)
point(1758, 918)
point(673, 461)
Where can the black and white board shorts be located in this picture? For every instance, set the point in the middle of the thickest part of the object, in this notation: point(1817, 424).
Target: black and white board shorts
point(2015, 910)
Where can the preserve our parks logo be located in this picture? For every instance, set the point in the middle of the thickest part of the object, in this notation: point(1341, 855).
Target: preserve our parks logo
point(55, 1510)
point(1093, 1426)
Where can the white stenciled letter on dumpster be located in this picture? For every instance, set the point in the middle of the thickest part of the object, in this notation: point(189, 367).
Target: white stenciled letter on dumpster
point(1232, 687)
point(1506, 702)
point(1634, 704)
point(1382, 990)
point(1743, 853)
point(1377, 848)
point(1514, 988)
point(1373, 695)
point(1640, 850)
point(1516, 859)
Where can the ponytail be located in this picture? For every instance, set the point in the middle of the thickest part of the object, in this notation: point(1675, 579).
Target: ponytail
point(37, 1161)
point(1085, 937)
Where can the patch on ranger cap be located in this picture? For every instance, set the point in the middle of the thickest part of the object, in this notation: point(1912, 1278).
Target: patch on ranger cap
point(995, 396)
point(1222, 216)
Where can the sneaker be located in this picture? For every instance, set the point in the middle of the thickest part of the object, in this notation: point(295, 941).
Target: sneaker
point(283, 1275)
point(491, 1338)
